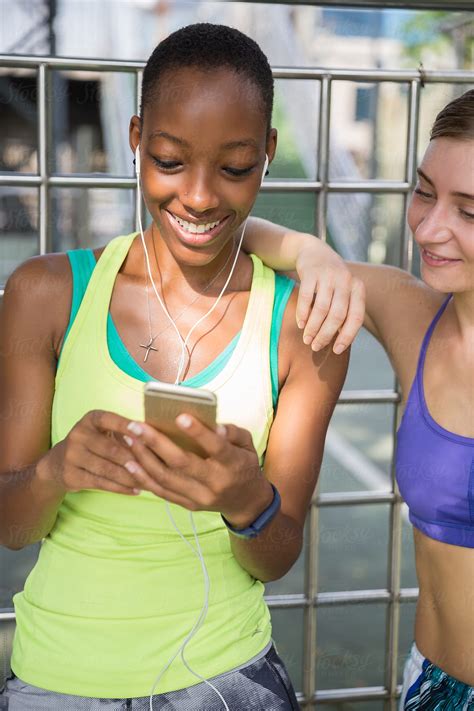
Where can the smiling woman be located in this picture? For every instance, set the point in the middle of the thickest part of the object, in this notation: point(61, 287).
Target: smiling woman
point(427, 329)
point(119, 590)
point(196, 176)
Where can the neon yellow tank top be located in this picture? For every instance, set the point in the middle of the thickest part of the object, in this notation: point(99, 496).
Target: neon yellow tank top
point(115, 590)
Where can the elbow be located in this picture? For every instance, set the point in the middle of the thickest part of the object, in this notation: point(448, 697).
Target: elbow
point(272, 576)
point(15, 548)
point(285, 564)
point(11, 545)
point(19, 537)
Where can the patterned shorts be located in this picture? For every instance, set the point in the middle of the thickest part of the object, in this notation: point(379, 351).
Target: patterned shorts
point(426, 687)
point(262, 685)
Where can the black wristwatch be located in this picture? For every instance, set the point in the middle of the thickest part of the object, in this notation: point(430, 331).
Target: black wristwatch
point(261, 521)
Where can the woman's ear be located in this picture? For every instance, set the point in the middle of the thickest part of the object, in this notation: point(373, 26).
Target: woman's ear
point(271, 144)
point(134, 132)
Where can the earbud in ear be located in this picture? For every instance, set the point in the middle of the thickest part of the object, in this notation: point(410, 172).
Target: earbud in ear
point(264, 171)
point(136, 160)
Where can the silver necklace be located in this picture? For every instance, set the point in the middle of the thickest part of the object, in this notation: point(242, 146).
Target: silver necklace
point(149, 346)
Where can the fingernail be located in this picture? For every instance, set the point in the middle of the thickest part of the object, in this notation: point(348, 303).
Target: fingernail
point(339, 348)
point(184, 421)
point(135, 428)
point(221, 430)
point(137, 491)
point(300, 324)
point(128, 440)
point(316, 347)
point(307, 339)
point(133, 468)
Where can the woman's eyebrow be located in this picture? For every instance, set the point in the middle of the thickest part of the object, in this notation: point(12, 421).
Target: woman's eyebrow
point(241, 143)
point(463, 195)
point(169, 136)
point(455, 193)
point(424, 176)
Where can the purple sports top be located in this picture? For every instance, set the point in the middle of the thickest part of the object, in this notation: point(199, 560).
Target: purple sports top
point(435, 468)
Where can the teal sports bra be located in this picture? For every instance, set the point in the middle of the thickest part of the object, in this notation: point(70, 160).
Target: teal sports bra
point(82, 265)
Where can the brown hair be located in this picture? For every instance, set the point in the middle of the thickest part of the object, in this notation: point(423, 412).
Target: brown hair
point(456, 120)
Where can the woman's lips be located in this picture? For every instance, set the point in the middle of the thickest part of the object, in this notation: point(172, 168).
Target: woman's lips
point(432, 262)
point(194, 238)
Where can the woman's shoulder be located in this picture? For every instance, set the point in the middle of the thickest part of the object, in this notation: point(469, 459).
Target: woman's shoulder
point(290, 343)
point(40, 289)
point(40, 277)
point(402, 307)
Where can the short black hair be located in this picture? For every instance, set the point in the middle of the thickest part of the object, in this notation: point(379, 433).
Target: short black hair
point(207, 47)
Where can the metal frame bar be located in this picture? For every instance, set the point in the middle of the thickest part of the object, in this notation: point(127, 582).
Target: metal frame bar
point(375, 4)
point(393, 595)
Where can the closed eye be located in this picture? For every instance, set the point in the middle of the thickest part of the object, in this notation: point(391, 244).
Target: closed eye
point(237, 172)
point(172, 165)
point(165, 164)
point(423, 194)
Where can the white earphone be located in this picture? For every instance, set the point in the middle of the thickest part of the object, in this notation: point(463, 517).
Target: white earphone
point(197, 550)
point(264, 168)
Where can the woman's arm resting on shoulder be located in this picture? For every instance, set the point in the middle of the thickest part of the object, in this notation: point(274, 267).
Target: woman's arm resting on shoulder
point(338, 307)
point(387, 293)
point(295, 450)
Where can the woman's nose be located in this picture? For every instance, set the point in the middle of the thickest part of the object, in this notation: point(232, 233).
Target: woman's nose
point(199, 195)
point(434, 224)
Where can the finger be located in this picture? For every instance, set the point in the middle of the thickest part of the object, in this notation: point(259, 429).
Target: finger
point(175, 479)
point(92, 481)
point(105, 421)
point(103, 468)
point(145, 482)
point(305, 299)
point(216, 442)
point(208, 439)
point(354, 320)
point(321, 306)
point(238, 436)
point(333, 321)
point(169, 453)
point(108, 447)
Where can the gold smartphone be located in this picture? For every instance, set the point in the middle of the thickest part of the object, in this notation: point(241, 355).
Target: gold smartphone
point(164, 402)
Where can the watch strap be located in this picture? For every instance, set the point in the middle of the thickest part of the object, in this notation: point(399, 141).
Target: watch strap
point(261, 522)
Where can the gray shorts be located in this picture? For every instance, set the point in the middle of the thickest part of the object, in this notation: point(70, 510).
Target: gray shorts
point(262, 685)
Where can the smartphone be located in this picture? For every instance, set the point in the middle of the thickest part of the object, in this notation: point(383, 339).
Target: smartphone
point(164, 402)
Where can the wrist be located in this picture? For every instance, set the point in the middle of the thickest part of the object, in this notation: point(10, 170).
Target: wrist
point(46, 472)
point(260, 502)
point(314, 249)
point(293, 243)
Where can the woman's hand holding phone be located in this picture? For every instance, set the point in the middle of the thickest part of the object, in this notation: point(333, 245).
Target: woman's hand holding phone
point(109, 452)
point(92, 456)
point(228, 480)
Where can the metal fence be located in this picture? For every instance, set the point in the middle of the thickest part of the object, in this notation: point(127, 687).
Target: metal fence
point(376, 4)
point(393, 595)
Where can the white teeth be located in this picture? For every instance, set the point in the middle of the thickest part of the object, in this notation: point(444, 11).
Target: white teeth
point(433, 256)
point(193, 228)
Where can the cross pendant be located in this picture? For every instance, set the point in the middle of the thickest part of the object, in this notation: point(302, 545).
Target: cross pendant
point(148, 347)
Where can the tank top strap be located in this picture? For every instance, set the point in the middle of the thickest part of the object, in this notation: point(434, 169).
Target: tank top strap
point(93, 308)
point(416, 396)
point(427, 338)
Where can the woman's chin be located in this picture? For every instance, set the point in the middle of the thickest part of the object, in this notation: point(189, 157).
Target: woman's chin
point(441, 282)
